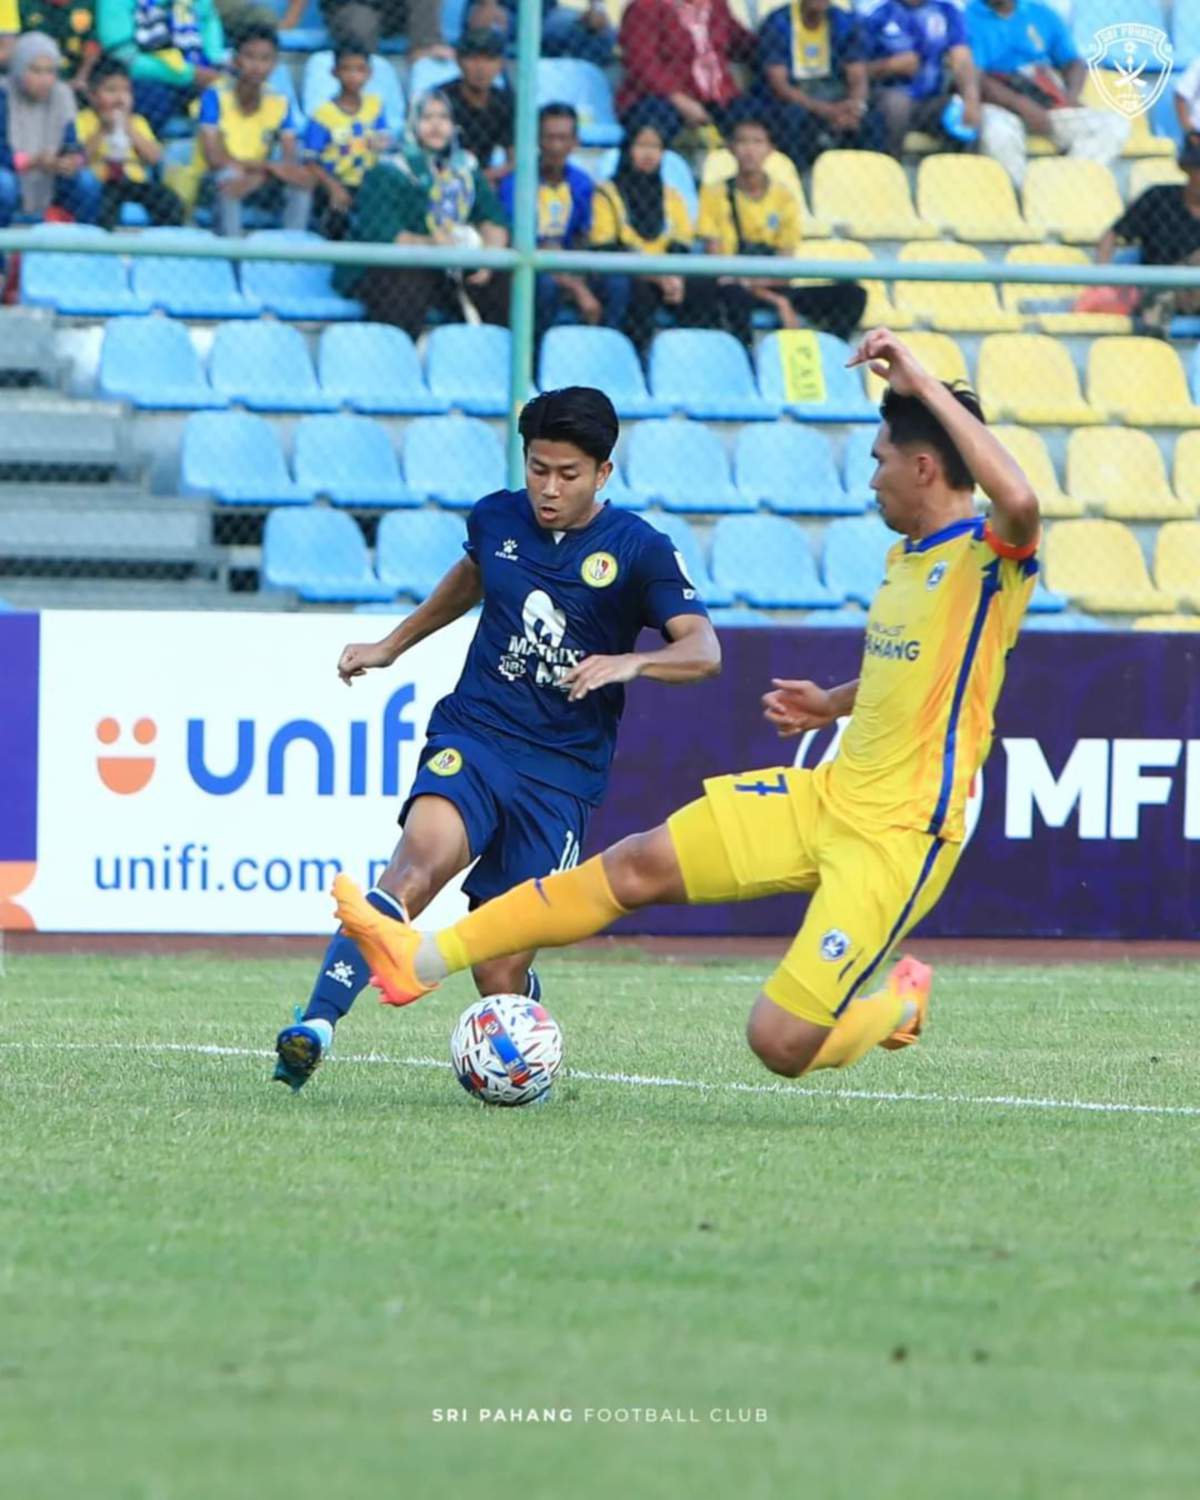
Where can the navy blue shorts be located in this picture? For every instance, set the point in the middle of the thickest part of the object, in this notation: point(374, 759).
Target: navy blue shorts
point(517, 828)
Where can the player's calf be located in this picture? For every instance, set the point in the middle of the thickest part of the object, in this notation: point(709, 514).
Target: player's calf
point(785, 1043)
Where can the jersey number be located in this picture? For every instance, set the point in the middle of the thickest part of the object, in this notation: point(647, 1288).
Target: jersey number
point(763, 788)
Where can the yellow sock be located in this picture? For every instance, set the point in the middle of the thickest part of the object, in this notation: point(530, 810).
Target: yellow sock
point(863, 1025)
point(545, 913)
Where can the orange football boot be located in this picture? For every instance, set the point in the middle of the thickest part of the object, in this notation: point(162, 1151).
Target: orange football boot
point(913, 981)
point(389, 946)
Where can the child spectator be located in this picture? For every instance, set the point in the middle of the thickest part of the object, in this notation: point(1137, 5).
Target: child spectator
point(172, 49)
point(564, 216)
point(428, 192)
point(813, 89)
point(638, 212)
point(39, 133)
point(121, 150)
point(72, 24)
point(241, 124)
point(751, 215)
point(483, 111)
point(917, 51)
point(344, 139)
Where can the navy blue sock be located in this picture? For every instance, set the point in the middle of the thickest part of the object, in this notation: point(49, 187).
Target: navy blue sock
point(345, 973)
point(533, 986)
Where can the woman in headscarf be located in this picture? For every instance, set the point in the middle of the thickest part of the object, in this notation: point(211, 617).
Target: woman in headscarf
point(37, 135)
point(638, 212)
point(429, 192)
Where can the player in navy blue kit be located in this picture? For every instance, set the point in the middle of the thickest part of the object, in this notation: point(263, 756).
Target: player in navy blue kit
point(519, 753)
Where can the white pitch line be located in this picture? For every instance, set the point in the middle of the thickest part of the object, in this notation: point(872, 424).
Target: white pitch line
point(638, 1080)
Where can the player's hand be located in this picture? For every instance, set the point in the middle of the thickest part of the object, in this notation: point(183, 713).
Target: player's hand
point(890, 357)
point(356, 660)
point(794, 707)
point(599, 671)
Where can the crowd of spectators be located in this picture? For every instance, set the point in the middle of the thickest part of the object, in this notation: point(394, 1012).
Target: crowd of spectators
point(89, 88)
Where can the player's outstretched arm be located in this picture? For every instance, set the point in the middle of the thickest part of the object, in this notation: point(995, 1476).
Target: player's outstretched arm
point(694, 653)
point(1015, 515)
point(794, 706)
point(460, 590)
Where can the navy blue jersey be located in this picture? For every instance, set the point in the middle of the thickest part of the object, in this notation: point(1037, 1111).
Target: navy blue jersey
point(547, 604)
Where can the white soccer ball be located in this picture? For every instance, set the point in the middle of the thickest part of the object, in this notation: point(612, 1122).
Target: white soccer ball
point(506, 1049)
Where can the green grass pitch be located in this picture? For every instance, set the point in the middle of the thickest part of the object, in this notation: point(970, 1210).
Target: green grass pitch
point(211, 1288)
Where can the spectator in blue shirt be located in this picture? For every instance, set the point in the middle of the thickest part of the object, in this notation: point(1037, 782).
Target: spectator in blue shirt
point(813, 86)
point(918, 56)
point(1030, 77)
point(564, 216)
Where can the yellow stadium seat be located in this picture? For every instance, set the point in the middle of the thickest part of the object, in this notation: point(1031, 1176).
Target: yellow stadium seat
point(972, 197)
point(1030, 378)
point(1076, 200)
point(1120, 471)
point(1185, 472)
point(1142, 141)
point(1140, 381)
point(864, 194)
point(719, 166)
point(879, 310)
point(1152, 172)
point(953, 306)
point(1099, 565)
point(1027, 295)
point(1167, 622)
point(1029, 450)
point(1177, 560)
point(940, 355)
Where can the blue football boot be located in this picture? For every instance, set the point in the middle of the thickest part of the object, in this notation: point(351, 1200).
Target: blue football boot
point(301, 1047)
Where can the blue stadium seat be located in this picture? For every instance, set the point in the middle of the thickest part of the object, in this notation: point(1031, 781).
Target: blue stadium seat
point(844, 397)
point(266, 367)
point(86, 286)
point(739, 617)
point(568, 80)
point(320, 85)
point(855, 557)
point(846, 618)
point(694, 564)
point(1067, 621)
point(152, 363)
point(235, 458)
point(453, 460)
point(683, 466)
point(1185, 35)
point(1090, 16)
point(374, 368)
point(789, 469)
point(310, 35)
point(573, 355)
point(1043, 602)
point(350, 460)
point(858, 466)
point(617, 492)
point(431, 73)
point(768, 562)
point(675, 173)
point(415, 549)
point(467, 365)
point(280, 82)
point(190, 286)
point(708, 375)
point(454, 18)
point(320, 554)
point(296, 288)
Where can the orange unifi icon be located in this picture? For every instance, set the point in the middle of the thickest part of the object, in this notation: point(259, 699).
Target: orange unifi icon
point(126, 773)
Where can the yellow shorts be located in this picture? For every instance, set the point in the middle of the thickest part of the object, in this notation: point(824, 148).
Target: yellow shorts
point(766, 832)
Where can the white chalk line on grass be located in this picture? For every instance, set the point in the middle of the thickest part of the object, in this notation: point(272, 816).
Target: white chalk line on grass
point(639, 1080)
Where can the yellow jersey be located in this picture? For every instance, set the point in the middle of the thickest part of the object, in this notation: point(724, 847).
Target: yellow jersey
point(939, 631)
point(97, 148)
point(250, 136)
point(611, 225)
point(347, 145)
point(772, 221)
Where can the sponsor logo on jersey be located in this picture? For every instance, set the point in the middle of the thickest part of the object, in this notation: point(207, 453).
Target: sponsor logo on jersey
point(445, 763)
point(507, 549)
point(834, 945)
point(599, 570)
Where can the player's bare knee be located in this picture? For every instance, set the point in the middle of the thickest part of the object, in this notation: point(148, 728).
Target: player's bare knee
point(502, 976)
point(783, 1043)
point(643, 869)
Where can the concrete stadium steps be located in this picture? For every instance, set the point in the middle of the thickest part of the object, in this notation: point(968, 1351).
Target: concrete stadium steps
point(124, 593)
point(51, 438)
point(27, 352)
point(78, 524)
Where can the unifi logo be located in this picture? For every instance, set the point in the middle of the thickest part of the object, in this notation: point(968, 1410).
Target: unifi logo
point(126, 773)
point(355, 759)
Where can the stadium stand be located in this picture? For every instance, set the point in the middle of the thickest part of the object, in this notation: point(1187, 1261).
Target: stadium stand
point(938, 352)
point(1141, 381)
point(768, 562)
point(603, 357)
point(350, 461)
point(789, 469)
point(235, 458)
point(265, 366)
point(1177, 561)
point(453, 460)
point(190, 286)
point(320, 555)
point(1030, 378)
point(970, 197)
point(865, 196)
point(694, 562)
point(707, 374)
point(569, 80)
point(880, 311)
point(812, 389)
point(468, 366)
point(1029, 449)
point(1074, 199)
point(854, 556)
point(953, 306)
point(295, 289)
point(320, 85)
point(1099, 566)
point(414, 549)
point(95, 286)
point(1050, 305)
point(373, 368)
point(683, 466)
point(152, 363)
point(1120, 472)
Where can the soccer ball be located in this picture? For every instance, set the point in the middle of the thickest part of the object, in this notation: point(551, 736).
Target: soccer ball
point(506, 1049)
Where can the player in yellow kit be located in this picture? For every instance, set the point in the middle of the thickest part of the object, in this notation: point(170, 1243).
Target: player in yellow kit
point(874, 834)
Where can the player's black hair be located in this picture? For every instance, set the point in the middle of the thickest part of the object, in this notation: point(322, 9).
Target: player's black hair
point(910, 421)
point(343, 50)
point(255, 31)
point(107, 67)
point(578, 414)
point(558, 111)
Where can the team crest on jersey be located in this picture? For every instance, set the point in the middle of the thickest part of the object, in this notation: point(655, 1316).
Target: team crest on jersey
point(599, 570)
point(936, 574)
point(445, 763)
point(834, 945)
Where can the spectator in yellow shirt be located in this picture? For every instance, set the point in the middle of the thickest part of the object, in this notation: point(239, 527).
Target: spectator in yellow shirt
point(638, 212)
point(751, 215)
point(121, 150)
